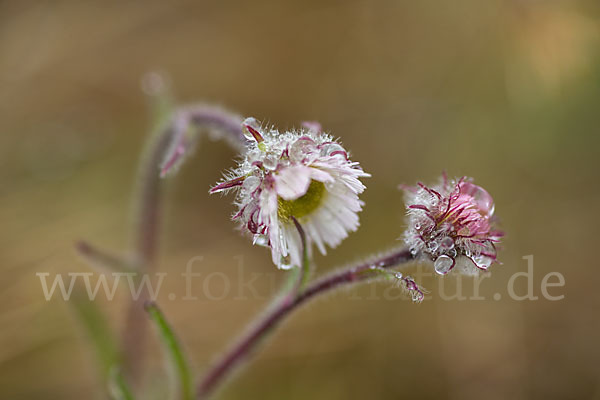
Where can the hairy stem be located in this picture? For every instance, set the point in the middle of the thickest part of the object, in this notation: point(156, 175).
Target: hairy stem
point(242, 349)
point(148, 207)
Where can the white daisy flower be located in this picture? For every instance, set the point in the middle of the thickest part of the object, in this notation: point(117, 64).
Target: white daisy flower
point(304, 175)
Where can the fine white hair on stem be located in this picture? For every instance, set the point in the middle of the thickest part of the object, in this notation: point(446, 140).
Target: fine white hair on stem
point(185, 127)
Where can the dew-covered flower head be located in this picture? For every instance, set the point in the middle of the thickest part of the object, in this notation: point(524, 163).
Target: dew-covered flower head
point(302, 175)
point(452, 224)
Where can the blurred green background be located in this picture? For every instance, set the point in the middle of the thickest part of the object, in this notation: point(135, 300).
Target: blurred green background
point(505, 91)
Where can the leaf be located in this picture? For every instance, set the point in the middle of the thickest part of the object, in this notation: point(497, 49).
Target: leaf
point(99, 333)
point(173, 349)
point(117, 385)
point(103, 260)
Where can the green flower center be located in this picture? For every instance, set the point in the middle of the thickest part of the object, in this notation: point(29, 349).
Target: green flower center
point(302, 206)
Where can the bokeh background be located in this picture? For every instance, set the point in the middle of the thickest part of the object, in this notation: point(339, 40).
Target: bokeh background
point(505, 91)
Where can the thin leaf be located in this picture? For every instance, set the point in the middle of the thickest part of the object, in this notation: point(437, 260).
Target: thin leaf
point(99, 333)
point(172, 347)
point(103, 260)
point(118, 387)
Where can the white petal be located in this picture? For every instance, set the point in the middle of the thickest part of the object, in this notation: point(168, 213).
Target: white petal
point(320, 175)
point(292, 182)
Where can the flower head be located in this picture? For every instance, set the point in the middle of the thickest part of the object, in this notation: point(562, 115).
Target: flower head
point(304, 176)
point(451, 224)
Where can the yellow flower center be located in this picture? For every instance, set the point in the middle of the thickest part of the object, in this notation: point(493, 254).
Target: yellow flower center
point(301, 206)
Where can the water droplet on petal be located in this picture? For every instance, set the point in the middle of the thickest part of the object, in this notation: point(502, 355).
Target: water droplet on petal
point(443, 265)
point(482, 198)
point(270, 162)
point(302, 149)
point(447, 243)
point(252, 123)
point(254, 155)
point(482, 261)
point(432, 246)
point(286, 262)
point(261, 240)
point(333, 148)
point(250, 184)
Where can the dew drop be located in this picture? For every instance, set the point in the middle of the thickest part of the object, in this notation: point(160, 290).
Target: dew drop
point(251, 183)
point(286, 262)
point(270, 162)
point(443, 265)
point(301, 149)
point(333, 147)
point(447, 243)
point(481, 197)
point(432, 246)
point(254, 156)
point(261, 240)
point(253, 123)
point(482, 261)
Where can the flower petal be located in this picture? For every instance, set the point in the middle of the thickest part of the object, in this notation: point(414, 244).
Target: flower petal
point(292, 182)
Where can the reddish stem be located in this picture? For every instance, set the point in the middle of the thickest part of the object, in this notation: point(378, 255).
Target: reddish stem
point(242, 349)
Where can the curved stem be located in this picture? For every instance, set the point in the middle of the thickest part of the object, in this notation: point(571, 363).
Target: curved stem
point(249, 341)
point(148, 201)
point(148, 206)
